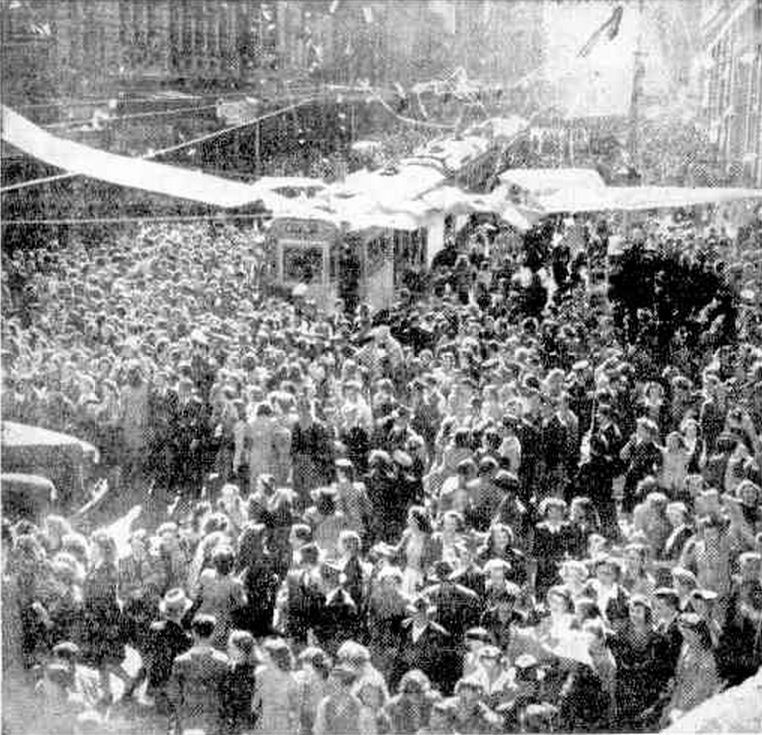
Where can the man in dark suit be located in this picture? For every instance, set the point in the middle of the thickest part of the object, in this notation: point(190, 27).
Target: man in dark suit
point(667, 608)
point(167, 639)
point(195, 687)
point(457, 607)
point(423, 646)
point(338, 620)
point(187, 433)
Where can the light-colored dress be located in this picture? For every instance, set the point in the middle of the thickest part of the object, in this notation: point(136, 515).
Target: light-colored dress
point(220, 596)
point(277, 701)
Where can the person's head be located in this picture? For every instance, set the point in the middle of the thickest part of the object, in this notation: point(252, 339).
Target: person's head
point(490, 658)
point(138, 541)
point(299, 535)
point(350, 543)
point(635, 558)
point(418, 519)
point(574, 574)
point(414, 685)
point(390, 579)
point(317, 660)
point(203, 627)
point(242, 647)
point(677, 514)
point(469, 690)
point(420, 608)
point(56, 527)
point(453, 523)
point(683, 581)
point(497, 571)
point(640, 611)
point(168, 535)
point(582, 510)
point(710, 529)
point(553, 509)
point(607, 570)
point(666, 603)
point(103, 548)
point(476, 639)
point(689, 429)
point(750, 566)
point(586, 608)
point(345, 471)
point(702, 602)
point(371, 695)
point(278, 653)
point(325, 501)
point(223, 560)
point(501, 536)
point(675, 442)
point(646, 430)
point(559, 601)
point(695, 631)
point(748, 493)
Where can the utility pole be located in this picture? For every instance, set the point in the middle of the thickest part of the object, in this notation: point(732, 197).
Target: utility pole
point(638, 75)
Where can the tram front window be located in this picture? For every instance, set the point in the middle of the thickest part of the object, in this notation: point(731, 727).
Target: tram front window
point(303, 265)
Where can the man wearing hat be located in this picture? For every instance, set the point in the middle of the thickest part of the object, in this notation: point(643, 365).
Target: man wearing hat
point(339, 713)
point(667, 609)
point(195, 685)
point(338, 619)
point(472, 714)
point(83, 683)
point(457, 607)
point(167, 639)
point(495, 678)
point(423, 645)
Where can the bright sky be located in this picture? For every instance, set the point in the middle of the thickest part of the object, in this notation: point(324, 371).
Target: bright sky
point(601, 83)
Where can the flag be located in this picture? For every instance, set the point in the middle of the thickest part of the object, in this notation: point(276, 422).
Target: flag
point(610, 29)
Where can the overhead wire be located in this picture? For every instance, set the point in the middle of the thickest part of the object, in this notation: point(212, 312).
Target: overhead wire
point(170, 149)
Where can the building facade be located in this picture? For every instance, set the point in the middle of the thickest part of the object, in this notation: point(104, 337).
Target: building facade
point(732, 85)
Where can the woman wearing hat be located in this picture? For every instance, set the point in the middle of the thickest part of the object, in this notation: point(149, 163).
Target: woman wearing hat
point(103, 637)
point(636, 649)
point(696, 677)
point(326, 520)
point(220, 594)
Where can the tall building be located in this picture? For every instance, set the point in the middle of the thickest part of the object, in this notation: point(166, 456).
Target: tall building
point(732, 100)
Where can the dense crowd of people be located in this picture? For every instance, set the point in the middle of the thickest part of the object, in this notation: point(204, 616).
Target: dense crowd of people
point(481, 513)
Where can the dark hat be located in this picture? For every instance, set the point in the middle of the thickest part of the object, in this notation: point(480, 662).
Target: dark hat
point(507, 481)
point(526, 662)
point(66, 650)
point(326, 490)
point(403, 459)
point(420, 602)
point(442, 571)
point(344, 673)
point(472, 682)
point(490, 652)
point(704, 594)
point(510, 593)
point(477, 634)
point(686, 576)
point(331, 570)
point(667, 593)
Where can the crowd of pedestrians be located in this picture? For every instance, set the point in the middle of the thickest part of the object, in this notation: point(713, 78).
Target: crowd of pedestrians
point(479, 513)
